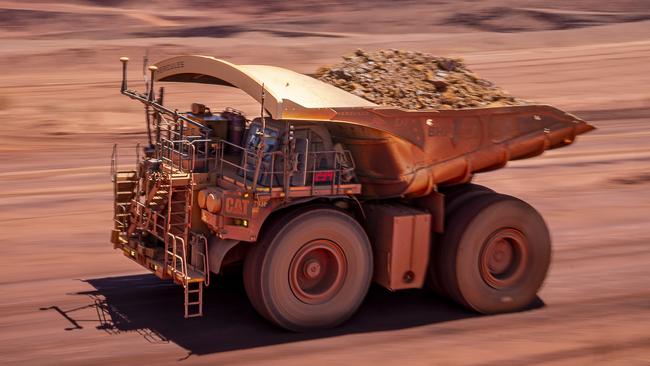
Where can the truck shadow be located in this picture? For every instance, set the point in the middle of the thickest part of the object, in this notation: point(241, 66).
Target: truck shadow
point(154, 309)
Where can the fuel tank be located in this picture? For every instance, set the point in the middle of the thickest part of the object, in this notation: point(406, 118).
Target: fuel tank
point(402, 153)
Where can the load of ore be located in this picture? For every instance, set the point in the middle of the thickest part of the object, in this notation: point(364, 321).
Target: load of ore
point(413, 80)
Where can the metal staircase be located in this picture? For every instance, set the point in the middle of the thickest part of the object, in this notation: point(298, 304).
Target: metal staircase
point(178, 247)
point(125, 184)
point(156, 207)
point(193, 299)
point(153, 204)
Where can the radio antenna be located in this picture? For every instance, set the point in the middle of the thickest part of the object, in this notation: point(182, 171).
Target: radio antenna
point(145, 65)
point(261, 147)
point(151, 98)
point(262, 111)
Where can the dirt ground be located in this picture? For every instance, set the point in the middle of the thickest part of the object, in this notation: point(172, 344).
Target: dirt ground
point(67, 298)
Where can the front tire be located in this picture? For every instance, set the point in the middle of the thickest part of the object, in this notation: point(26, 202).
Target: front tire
point(311, 270)
point(495, 254)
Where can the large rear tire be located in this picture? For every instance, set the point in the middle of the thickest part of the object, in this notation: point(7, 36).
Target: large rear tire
point(455, 197)
point(495, 254)
point(311, 270)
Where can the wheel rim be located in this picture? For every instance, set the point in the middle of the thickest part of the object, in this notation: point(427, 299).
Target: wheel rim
point(317, 271)
point(504, 257)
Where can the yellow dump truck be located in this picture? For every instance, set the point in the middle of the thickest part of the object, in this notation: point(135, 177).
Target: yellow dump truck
point(324, 192)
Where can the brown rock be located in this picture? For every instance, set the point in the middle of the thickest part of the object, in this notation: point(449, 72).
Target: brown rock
point(413, 80)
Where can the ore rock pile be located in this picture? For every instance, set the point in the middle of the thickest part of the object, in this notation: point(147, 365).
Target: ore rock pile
point(413, 80)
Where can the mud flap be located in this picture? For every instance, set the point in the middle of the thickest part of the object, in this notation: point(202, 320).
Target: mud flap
point(217, 250)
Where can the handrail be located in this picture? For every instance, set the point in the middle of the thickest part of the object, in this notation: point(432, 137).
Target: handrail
point(196, 238)
point(177, 258)
point(115, 159)
point(120, 209)
point(183, 258)
point(177, 152)
point(337, 165)
point(171, 240)
point(114, 163)
point(206, 258)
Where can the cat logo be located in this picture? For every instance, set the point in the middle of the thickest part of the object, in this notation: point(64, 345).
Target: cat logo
point(235, 206)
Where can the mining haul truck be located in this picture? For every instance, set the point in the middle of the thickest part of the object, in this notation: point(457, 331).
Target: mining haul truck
point(325, 192)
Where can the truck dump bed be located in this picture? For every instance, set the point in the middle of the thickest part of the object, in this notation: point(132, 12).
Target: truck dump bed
point(397, 152)
point(409, 153)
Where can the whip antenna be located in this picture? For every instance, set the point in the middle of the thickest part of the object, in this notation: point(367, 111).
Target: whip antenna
point(145, 65)
point(262, 112)
point(261, 146)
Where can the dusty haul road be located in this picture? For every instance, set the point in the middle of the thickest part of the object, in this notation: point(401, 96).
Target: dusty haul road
point(66, 298)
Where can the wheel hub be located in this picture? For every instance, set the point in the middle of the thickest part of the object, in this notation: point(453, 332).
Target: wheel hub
point(312, 269)
point(500, 257)
point(504, 257)
point(317, 271)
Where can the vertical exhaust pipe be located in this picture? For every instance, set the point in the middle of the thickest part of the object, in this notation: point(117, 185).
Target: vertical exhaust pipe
point(124, 61)
point(151, 98)
point(152, 93)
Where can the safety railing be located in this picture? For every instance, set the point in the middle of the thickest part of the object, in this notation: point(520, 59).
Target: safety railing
point(319, 168)
point(183, 146)
point(177, 259)
point(121, 211)
point(114, 163)
point(121, 205)
point(187, 155)
point(115, 159)
point(333, 168)
point(241, 162)
point(155, 223)
point(158, 225)
point(200, 242)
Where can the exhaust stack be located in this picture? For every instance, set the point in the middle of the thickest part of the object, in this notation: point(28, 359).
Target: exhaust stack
point(124, 60)
point(153, 70)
